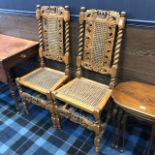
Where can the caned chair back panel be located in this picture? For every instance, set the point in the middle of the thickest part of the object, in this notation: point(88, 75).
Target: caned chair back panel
point(99, 39)
point(52, 19)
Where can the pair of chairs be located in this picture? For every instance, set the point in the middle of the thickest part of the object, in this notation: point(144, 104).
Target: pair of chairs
point(100, 37)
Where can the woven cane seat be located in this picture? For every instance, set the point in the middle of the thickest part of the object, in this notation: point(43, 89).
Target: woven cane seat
point(42, 79)
point(84, 94)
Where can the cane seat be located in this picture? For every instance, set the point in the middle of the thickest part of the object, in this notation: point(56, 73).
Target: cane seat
point(84, 94)
point(43, 79)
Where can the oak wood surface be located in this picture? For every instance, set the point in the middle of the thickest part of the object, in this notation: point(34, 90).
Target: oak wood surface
point(12, 52)
point(10, 46)
point(136, 96)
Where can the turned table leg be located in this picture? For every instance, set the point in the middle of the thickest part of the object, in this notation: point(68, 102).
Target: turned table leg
point(117, 127)
point(114, 121)
point(119, 123)
point(123, 132)
point(13, 89)
point(152, 138)
point(120, 114)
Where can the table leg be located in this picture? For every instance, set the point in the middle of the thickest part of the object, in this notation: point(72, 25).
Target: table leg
point(117, 116)
point(123, 130)
point(114, 117)
point(13, 90)
point(152, 138)
point(120, 114)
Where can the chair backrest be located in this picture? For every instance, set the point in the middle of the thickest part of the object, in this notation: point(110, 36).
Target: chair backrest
point(53, 24)
point(100, 36)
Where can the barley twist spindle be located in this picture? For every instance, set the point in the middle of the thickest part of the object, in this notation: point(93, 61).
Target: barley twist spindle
point(39, 21)
point(117, 47)
point(121, 26)
point(67, 39)
point(80, 41)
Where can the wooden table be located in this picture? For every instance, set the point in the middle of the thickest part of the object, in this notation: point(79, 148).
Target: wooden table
point(136, 99)
point(136, 96)
point(12, 52)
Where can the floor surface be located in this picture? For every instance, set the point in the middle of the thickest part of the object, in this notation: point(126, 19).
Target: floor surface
point(23, 134)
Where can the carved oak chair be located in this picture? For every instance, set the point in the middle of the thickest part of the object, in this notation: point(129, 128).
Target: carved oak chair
point(53, 23)
point(100, 37)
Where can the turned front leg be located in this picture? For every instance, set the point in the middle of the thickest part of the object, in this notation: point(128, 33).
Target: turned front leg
point(54, 115)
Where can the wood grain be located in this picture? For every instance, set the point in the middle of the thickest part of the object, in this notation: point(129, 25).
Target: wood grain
point(136, 96)
point(10, 46)
point(138, 55)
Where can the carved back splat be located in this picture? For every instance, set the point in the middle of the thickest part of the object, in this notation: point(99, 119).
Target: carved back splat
point(53, 29)
point(102, 32)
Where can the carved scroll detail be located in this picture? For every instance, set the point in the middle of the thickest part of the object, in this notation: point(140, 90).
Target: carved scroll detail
point(99, 39)
point(52, 30)
point(73, 116)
